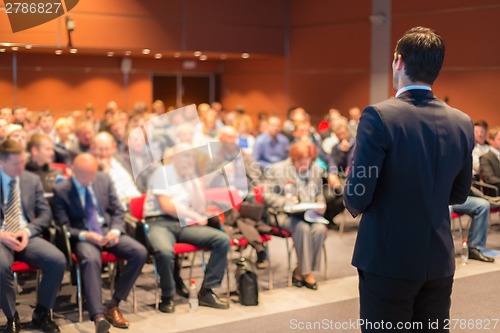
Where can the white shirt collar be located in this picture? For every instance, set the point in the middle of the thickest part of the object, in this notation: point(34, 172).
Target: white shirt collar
point(412, 87)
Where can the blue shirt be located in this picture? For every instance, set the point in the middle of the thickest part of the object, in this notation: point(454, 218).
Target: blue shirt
point(267, 151)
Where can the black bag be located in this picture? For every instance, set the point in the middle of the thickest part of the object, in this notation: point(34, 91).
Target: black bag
point(246, 279)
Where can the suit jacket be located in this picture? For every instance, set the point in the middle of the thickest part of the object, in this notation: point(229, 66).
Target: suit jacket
point(490, 168)
point(412, 159)
point(277, 177)
point(68, 209)
point(35, 208)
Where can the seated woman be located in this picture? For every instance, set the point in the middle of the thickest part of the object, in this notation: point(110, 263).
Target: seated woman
point(299, 172)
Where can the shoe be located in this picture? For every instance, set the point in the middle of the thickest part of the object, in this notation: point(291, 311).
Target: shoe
point(42, 321)
point(167, 305)
point(475, 254)
point(13, 325)
point(262, 262)
point(313, 286)
point(181, 289)
point(208, 298)
point(102, 325)
point(115, 317)
point(296, 282)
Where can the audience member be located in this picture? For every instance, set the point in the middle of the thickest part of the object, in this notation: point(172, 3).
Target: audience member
point(6, 113)
point(175, 196)
point(308, 237)
point(354, 115)
point(243, 125)
point(84, 133)
point(26, 216)
point(272, 146)
point(41, 152)
point(481, 147)
point(103, 147)
point(88, 206)
point(490, 162)
point(479, 211)
point(19, 115)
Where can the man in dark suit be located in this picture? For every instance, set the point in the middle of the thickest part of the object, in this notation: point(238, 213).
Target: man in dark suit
point(25, 215)
point(88, 206)
point(489, 163)
point(412, 160)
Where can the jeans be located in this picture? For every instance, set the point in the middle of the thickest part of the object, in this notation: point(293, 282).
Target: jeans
point(164, 233)
point(479, 210)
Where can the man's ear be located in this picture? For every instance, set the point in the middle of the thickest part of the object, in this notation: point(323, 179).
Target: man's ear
point(399, 63)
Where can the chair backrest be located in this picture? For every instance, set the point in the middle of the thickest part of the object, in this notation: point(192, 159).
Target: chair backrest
point(62, 242)
point(223, 195)
point(61, 166)
point(137, 207)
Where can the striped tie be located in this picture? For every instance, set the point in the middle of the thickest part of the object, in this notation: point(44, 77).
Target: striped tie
point(13, 209)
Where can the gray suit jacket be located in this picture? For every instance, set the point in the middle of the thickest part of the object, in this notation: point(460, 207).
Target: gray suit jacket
point(36, 210)
point(279, 174)
point(490, 168)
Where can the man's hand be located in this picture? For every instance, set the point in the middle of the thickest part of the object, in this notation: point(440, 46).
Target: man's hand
point(112, 239)
point(345, 145)
point(334, 181)
point(23, 236)
point(104, 164)
point(95, 238)
point(10, 240)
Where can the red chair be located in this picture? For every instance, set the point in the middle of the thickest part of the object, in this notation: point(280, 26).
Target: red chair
point(19, 267)
point(61, 166)
point(136, 206)
point(457, 216)
point(282, 233)
point(74, 263)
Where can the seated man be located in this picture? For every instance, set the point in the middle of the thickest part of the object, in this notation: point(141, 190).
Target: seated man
point(103, 147)
point(489, 163)
point(175, 196)
point(88, 206)
point(479, 210)
point(272, 146)
point(41, 152)
point(25, 214)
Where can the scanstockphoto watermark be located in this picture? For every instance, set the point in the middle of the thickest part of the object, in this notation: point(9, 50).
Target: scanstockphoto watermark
point(352, 325)
point(26, 14)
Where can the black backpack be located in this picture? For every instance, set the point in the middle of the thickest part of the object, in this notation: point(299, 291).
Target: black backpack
point(246, 279)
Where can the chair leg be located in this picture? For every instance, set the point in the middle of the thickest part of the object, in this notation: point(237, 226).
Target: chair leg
point(326, 262)
point(155, 270)
point(112, 276)
point(269, 270)
point(38, 278)
point(16, 285)
point(289, 250)
point(134, 298)
point(79, 293)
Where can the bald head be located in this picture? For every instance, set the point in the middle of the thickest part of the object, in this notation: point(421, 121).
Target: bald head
point(228, 134)
point(85, 169)
point(103, 146)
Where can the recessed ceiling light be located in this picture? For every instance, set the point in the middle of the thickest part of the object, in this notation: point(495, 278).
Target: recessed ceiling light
point(110, 54)
point(28, 46)
point(2, 50)
point(58, 52)
point(127, 53)
point(73, 51)
point(223, 56)
point(15, 48)
point(146, 51)
point(158, 56)
point(203, 57)
point(177, 54)
point(197, 53)
point(245, 55)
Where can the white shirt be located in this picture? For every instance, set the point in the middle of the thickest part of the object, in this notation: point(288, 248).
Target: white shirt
point(412, 87)
point(477, 152)
point(123, 183)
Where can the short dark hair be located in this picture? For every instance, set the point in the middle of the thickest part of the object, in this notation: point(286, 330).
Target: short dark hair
point(422, 50)
point(481, 123)
point(36, 141)
point(9, 147)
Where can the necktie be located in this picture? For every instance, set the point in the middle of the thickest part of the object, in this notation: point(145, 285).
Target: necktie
point(91, 213)
point(13, 209)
